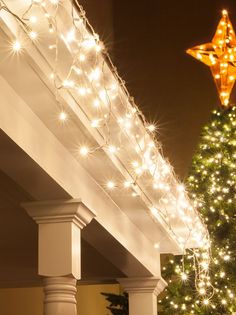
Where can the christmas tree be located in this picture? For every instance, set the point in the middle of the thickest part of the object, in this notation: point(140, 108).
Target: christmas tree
point(212, 184)
point(212, 181)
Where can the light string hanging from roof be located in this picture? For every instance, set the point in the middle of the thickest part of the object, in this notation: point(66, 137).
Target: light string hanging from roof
point(87, 50)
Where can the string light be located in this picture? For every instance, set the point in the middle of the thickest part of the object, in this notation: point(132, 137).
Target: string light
point(112, 112)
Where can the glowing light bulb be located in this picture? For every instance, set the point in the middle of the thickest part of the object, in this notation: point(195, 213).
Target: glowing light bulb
point(95, 123)
point(151, 128)
point(82, 57)
point(224, 12)
point(70, 37)
point(199, 56)
point(33, 35)
point(51, 47)
point(84, 151)
point(127, 184)
point(77, 70)
point(96, 103)
point(112, 149)
point(99, 47)
point(154, 211)
point(33, 19)
point(202, 291)
point(184, 276)
point(16, 46)
point(94, 75)
point(68, 83)
point(89, 43)
point(63, 116)
point(82, 91)
point(110, 185)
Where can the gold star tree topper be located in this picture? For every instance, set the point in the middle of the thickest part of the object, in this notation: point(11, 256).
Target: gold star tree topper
point(220, 56)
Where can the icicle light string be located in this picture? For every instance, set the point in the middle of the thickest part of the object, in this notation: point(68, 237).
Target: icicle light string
point(84, 45)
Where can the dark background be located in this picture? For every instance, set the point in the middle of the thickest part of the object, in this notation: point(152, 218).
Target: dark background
point(148, 42)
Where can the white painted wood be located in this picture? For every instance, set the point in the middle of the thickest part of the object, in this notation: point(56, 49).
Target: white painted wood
point(143, 294)
point(59, 296)
point(39, 143)
point(60, 224)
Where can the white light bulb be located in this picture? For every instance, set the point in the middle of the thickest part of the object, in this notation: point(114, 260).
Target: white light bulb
point(151, 128)
point(63, 116)
point(16, 46)
point(184, 276)
point(82, 91)
point(96, 103)
point(127, 184)
point(84, 151)
point(94, 75)
point(70, 37)
point(110, 185)
point(112, 149)
point(33, 35)
point(89, 43)
point(68, 83)
point(33, 19)
point(82, 57)
point(154, 211)
point(202, 291)
point(95, 123)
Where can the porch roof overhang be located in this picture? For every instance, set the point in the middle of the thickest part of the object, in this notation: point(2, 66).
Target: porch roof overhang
point(28, 109)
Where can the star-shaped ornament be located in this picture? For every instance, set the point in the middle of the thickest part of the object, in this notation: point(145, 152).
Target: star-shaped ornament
point(220, 56)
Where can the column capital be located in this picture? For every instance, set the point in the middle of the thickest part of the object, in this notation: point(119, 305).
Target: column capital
point(59, 242)
point(58, 211)
point(152, 285)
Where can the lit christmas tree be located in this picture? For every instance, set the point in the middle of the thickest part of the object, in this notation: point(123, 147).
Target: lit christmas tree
point(212, 183)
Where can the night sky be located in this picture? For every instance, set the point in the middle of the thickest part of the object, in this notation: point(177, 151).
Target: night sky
point(172, 88)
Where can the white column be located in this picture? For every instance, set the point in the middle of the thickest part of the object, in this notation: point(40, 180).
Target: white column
point(59, 296)
point(143, 294)
point(59, 250)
